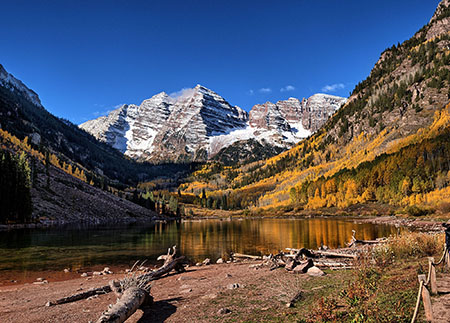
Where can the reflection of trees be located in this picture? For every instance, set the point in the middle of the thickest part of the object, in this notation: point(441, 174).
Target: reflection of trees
point(80, 248)
point(215, 238)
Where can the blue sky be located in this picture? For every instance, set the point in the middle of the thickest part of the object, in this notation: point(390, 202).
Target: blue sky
point(84, 58)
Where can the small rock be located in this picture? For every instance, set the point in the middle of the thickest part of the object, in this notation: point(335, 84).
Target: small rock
point(219, 261)
point(228, 261)
point(228, 275)
point(185, 286)
point(314, 271)
point(290, 264)
point(303, 267)
point(97, 273)
point(127, 270)
point(207, 261)
point(106, 269)
point(67, 270)
point(223, 311)
point(40, 279)
point(184, 291)
point(198, 264)
point(48, 304)
point(41, 283)
point(209, 296)
point(234, 286)
point(84, 275)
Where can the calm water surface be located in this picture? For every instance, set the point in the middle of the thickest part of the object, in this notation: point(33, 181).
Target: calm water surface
point(80, 248)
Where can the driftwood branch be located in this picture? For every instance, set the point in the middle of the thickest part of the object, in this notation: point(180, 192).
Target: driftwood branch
point(134, 291)
point(115, 286)
point(241, 255)
point(80, 296)
point(131, 300)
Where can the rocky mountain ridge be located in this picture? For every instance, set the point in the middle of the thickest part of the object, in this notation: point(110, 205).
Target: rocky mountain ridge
point(9, 82)
point(199, 124)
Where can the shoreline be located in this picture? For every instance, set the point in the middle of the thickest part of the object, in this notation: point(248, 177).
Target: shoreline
point(61, 224)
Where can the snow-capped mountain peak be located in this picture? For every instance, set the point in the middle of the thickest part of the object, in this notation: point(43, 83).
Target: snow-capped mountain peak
point(197, 123)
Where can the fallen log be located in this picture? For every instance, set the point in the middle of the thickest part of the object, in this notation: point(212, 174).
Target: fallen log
point(330, 254)
point(315, 253)
point(134, 291)
point(131, 300)
point(241, 255)
point(115, 286)
point(355, 241)
point(330, 264)
point(80, 296)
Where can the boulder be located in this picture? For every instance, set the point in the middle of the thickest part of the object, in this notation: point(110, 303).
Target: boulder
point(303, 266)
point(314, 271)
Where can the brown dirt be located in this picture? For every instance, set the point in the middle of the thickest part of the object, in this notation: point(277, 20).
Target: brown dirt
point(441, 303)
point(194, 296)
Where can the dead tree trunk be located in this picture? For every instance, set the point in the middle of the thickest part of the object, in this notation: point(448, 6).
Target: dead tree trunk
point(130, 301)
point(135, 290)
point(116, 286)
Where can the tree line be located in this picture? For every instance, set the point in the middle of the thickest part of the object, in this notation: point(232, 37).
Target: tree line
point(15, 184)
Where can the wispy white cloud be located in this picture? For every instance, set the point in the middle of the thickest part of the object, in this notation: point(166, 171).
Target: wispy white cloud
point(287, 88)
point(265, 90)
point(183, 93)
point(250, 92)
point(105, 110)
point(333, 87)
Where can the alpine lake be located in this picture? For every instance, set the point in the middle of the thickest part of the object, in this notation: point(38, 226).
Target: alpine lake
point(26, 253)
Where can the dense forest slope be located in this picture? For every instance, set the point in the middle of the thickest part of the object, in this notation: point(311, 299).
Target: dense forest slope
point(382, 124)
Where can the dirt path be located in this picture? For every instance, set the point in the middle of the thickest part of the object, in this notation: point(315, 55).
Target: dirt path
point(441, 303)
point(194, 296)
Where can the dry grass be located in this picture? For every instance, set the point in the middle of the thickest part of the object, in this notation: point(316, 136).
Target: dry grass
point(408, 245)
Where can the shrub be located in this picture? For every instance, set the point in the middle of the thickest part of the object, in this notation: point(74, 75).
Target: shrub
point(414, 210)
point(408, 245)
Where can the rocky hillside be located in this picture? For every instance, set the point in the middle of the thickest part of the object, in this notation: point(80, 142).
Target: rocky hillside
point(22, 115)
point(402, 99)
point(72, 174)
point(200, 124)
